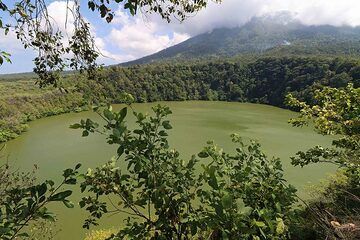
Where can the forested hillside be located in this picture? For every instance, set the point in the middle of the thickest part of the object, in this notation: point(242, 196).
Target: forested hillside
point(266, 35)
point(265, 80)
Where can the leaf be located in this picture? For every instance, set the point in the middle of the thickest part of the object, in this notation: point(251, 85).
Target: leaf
point(41, 189)
point(123, 113)
point(82, 203)
point(193, 229)
point(108, 114)
point(162, 133)
point(120, 151)
point(48, 217)
point(227, 201)
point(203, 154)
point(212, 178)
point(61, 196)
point(75, 126)
point(78, 166)
point(70, 181)
point(280, 227)
point(85, 133)
point(166, 125)
point(68, 204)
point(259, 223)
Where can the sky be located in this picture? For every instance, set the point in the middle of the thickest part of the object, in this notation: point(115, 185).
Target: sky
point(127, 37)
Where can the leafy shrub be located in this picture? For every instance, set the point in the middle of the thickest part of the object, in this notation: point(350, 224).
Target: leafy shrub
point(240, 196)
point(23, 201)
point(335, 212)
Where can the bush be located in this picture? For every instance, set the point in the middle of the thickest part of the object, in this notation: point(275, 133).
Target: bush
point(239, 196)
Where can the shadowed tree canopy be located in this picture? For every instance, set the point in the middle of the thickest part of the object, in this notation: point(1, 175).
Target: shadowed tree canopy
point(33, 26)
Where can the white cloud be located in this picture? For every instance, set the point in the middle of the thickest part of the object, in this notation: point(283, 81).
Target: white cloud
point(9, 42)
point(232, 13)
point(109, 57)
point(61, 16)
point(135, 37)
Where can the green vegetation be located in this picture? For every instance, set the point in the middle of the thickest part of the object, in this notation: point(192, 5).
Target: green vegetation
point(236, 196)
point(23, 201)
point(22, 101)
point(242, 195)
point(265, 80)
point(336, 211)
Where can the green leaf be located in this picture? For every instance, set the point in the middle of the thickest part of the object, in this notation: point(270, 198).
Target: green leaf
point(259, 223)
point(120, 151)
point(212, 177)
point(78, 166)
point(123, 113)
point(71, 181)
point(166, 125)
point(108, 114)
point(193, 229)
point(82, 203)
point(85, 133)
point(61, 196)
point(68, 204)
point(203, 154)
point(41, 189)
point(75, 126)
point(280, 227)
point(227, 201)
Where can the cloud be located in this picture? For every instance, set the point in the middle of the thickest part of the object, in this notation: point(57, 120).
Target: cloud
point(233, 13)
point(135, 37)
point(9, 42)
point(61, 16)
point(128, 37)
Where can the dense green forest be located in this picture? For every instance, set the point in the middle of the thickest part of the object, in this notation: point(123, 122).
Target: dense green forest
point(265, 80)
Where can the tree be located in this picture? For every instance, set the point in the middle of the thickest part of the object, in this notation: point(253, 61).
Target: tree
point(241, 195)
point(35, 29)
point(23, 201)
point(336, 112)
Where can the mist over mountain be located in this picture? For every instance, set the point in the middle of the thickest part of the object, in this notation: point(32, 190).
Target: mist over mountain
point(270, 34)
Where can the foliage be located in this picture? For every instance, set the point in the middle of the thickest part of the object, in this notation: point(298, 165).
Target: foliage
point(244, 195)
point(22, 101)
point(23, 201)
point(42, 230)
point(101, 234)
point(264, 80)
point(337, 113)
point(235, 196)
point(337, 209)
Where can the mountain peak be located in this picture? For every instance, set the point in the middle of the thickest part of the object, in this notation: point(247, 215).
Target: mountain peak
point(272, 33)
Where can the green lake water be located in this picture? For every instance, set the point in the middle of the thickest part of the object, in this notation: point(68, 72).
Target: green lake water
point(52, 146)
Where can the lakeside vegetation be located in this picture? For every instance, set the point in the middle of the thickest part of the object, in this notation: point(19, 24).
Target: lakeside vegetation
point(324, 89)
point(242, 195)
point(264, 80)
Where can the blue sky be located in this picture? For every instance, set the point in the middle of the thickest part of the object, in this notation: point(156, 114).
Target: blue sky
point(128, 37)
